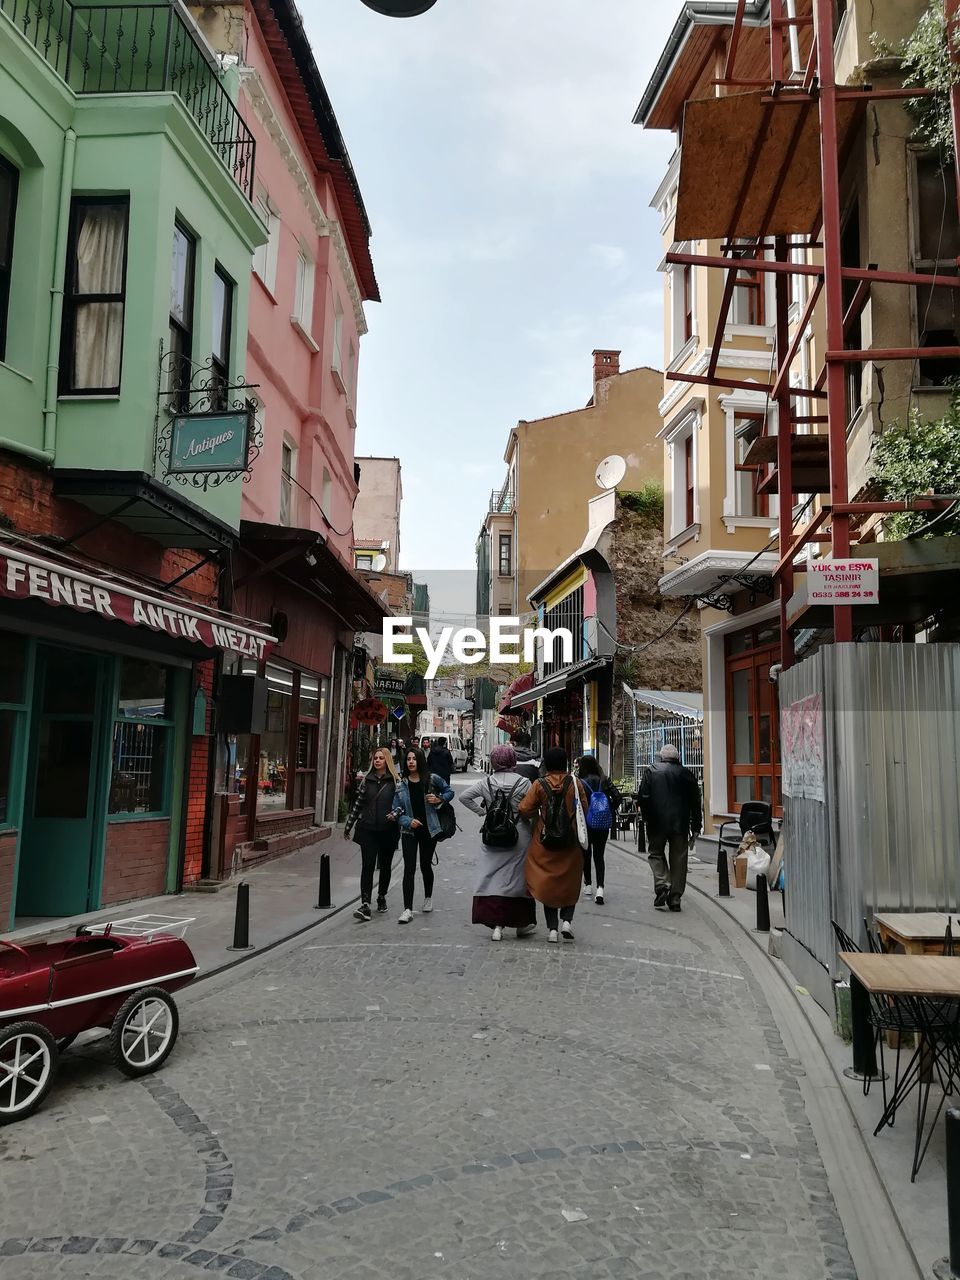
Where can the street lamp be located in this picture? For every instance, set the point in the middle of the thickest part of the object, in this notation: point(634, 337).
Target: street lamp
point(400, 8)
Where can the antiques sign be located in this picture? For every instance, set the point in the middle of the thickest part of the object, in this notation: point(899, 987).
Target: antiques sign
point(210, 442)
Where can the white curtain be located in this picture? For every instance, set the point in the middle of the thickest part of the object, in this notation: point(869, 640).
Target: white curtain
point(98, 331)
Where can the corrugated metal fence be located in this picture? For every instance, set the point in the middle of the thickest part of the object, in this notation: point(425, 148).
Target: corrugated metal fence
point(887, 835)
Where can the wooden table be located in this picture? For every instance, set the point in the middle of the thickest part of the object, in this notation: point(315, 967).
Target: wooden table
point(893, 975)
point(918, 932)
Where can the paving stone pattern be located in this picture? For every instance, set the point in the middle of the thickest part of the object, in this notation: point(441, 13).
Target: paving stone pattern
point(419, 1102)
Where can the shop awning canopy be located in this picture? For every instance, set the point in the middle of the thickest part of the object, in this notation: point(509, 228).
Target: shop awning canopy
point(520, 685)
point(30, 572)
point(686, 706)
point(306, 559)
point(558, 682)
point(147, 507)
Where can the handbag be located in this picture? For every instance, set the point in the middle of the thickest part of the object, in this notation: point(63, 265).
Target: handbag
point(583, 836)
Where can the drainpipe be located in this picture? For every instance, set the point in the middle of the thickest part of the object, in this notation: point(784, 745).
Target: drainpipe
point(48, 452)
point(796, 64)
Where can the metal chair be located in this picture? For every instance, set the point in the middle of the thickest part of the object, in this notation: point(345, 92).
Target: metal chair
point(755, 816)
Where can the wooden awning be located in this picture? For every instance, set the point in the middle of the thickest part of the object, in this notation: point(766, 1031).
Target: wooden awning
point(768, 150)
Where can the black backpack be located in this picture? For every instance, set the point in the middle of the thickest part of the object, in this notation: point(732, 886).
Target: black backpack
point(499, 830)
point(558, 830)
point(445, 814)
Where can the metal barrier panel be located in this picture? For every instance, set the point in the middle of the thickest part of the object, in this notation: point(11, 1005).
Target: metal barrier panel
point(887, 835)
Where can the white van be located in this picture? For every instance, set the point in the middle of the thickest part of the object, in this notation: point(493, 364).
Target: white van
point(454, 745)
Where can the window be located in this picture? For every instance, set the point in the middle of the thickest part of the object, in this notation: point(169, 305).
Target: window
point(363, 560)
point(303, 292)
point(681, 439)
point(337, 334)
point(275, 741)
point(506, 555)
point(936, 240)
point(326, 493)
point(351, 379)
point(308, 733)
point(689, 481)
point(850, 257)
point(505, 611)
point(222, 327)
point(13, 663)
point(749, 502)
point(682, 306)
point(9, 182)
point(287, 463)
point(142, 738)
point(265, 256)
point(748, 302)
point(94, 293)
point(180, 340)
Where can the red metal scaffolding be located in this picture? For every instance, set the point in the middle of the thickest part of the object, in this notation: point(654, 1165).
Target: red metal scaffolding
point(833, 112)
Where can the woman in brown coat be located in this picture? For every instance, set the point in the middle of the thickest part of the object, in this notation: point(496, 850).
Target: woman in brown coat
point(554, 872)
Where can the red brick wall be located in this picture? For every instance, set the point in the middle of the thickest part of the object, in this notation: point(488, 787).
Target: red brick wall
point(135, 860)
point(298, 820)
point(8, 850)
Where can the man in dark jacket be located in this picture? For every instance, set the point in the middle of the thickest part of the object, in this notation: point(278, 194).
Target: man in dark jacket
point(673, 815)
point(440, 761)
point(528, 766)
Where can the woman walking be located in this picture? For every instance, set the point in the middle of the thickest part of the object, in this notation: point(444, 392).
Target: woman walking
point(375, 829)
point(603, 801)
point(554, 867)
point(502, 900)
point(415, 805)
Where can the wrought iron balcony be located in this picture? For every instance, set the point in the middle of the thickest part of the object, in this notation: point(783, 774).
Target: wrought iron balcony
point(501, 501)
point(138, 48)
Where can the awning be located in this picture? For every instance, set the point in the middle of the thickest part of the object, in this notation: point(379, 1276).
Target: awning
point(520, 685)
point(28, 574)
point(557, 683)
point(146, 506)
point(743, 144)
point(307, 560)
point(686, 706)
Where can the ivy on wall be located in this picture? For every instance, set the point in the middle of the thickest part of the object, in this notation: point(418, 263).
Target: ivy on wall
point(916, 457)
point(925, 57)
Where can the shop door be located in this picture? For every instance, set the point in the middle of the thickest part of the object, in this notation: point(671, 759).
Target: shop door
point(63, 767)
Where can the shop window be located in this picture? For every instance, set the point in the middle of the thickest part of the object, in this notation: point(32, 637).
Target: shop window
point(142, 739)
point(273, 765)
point(180, 342)
point(94, 297)
point(13, 667)
point(8, 724)
point(308, 729)
point(13, 659)
point(9, 182)
point(936, 244)
point(220, 343)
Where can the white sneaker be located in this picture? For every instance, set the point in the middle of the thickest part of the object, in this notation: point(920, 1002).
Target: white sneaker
point(406, 917)
point(567, 930)
point(599, 895)
point(588, 891)
point(497, 934)
point(553, 936)
point(428, 905)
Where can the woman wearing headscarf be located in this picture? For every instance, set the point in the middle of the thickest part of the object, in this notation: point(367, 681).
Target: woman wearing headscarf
point(375, 829)
point(418, 797)
point(554, 866)
point(502, 900)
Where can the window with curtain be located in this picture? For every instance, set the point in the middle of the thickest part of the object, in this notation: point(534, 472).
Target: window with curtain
point(95, 289)
point(220, 343)
point(9, 182)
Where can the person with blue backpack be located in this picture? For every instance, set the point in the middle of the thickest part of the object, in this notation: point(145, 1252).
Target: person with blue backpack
point(604, 800)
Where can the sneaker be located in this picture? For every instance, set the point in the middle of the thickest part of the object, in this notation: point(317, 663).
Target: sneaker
point(588, 890)
point(600, 893)
point(427, 905)
point(363, 912)
point(406, 917)
point(660, 901)
point(381, 904)
point(526, 930)
point(566, 931)
point(496, 935)
point(553, 936)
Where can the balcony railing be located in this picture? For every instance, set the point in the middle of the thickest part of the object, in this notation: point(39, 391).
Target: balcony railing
point(138, 48)
point(501, 501)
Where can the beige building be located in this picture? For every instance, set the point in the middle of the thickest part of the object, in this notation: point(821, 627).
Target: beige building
point(535, 521)
point(376, 515)
point(721, 482)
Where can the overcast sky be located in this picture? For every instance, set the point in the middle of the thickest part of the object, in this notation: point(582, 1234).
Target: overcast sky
point(508, 192)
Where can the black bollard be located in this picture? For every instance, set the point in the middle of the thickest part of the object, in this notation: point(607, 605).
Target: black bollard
point(953, 1189)
point(864, 1037)
point(723, 871)
point(763, 905)
point(241, 922)
point(323, 895)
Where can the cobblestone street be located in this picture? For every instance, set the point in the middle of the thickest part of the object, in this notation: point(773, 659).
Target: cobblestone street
point(373, 1101)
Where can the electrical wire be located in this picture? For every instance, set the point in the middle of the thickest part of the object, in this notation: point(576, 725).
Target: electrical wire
point(341, 533)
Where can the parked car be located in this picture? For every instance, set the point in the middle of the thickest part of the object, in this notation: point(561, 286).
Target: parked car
point(455, 745)
point(117, 976)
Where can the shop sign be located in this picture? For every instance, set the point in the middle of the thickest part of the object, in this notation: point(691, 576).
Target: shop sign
point(24, 578)
point(210, 442)
point(398, 713)
point(388, 687)
point(370, 711)
point(843, 582)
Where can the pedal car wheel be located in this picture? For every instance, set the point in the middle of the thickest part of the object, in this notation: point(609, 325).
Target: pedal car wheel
point(28, 1061)
point(144, 1031)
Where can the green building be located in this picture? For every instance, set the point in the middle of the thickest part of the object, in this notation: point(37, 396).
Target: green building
point(126, 235)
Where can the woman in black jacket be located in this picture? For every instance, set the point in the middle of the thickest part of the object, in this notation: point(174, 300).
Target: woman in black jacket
point(593, 779)
point(375, 829)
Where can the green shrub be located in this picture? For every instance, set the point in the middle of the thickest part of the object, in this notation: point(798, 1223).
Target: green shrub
point(915, 457)
point(646, 502)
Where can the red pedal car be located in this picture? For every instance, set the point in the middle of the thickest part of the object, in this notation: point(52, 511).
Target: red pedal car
point(119, 976)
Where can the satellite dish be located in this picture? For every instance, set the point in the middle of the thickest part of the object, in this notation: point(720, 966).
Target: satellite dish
point(379, 563)
point(611, 471)
point(400, 8)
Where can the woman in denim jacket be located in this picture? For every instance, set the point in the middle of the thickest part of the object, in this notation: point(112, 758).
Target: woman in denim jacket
point(418, 797)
